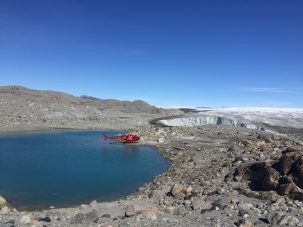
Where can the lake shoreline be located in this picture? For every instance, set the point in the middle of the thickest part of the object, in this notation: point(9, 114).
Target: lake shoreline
point(202, 160)
point(77, 157)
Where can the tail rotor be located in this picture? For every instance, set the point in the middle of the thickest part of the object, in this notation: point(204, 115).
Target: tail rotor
point(104, 136)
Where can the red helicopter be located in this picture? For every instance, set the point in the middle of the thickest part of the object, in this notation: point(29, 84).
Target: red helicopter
point(123, 138)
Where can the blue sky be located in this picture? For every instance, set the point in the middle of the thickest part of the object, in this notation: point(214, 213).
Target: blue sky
point(167, 52)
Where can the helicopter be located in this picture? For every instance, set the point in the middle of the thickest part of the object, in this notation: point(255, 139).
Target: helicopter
point(122, 138)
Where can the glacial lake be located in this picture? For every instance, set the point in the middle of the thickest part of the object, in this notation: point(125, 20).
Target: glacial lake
point(67, 168)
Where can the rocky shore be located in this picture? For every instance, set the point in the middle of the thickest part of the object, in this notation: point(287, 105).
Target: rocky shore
point(218, 176)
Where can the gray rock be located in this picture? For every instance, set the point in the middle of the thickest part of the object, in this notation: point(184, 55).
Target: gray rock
point(91, 216)
point(196, 204)
point(161, 140)
point(150, 215)
point(244, 208)
point(220, 203)
point(281, 218)
point(10, 222)
point(78, 219)
point(5, 210)
point(200, 203)
point(93, 203)
point(171, 210)
point(130, 211)
point(84, 218)
point(246, 223)
point(186, 202)
point(289, 221)
point(26, 219)
point(106, 216)
point(123, 225)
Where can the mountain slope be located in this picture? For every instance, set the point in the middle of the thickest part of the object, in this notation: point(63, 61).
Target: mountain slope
point(26, 109)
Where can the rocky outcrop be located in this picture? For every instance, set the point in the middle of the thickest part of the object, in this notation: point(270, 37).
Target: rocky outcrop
point(285, 176)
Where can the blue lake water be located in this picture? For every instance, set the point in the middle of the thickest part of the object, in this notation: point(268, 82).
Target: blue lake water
point(66, 168)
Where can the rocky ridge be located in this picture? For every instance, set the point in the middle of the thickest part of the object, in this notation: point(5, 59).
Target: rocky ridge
point(25, 109)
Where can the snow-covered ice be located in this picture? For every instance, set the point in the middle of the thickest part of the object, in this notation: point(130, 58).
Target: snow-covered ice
point(285, 117)
point(250, 117)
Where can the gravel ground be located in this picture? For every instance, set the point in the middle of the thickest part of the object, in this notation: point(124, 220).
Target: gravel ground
point(218, 175)
point(198, 189)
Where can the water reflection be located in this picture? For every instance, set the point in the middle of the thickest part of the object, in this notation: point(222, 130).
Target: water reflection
point(68, 168)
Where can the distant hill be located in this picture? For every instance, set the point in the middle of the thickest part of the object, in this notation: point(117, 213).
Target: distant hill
point(124, 106)
point(25, 109)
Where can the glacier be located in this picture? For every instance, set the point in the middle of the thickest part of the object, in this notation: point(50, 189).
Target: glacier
point(199, 120)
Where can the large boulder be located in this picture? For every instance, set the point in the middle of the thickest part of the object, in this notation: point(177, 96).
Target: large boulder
point(253, 172)
point(284, 176)
point(176, 190)
point(287, 160)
